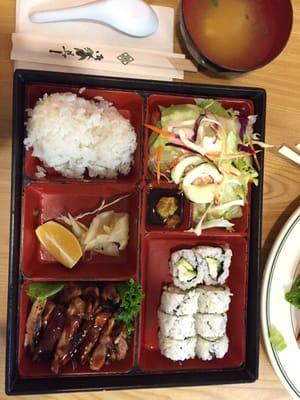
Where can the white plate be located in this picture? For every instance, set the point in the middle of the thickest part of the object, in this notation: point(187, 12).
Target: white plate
point(281, 270)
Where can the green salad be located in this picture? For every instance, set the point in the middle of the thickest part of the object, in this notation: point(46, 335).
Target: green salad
point(209, 152)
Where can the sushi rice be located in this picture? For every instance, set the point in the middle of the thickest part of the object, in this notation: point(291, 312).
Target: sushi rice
point(207, 349)
point(215, 262)
point(177, 350)
point(185, 270)
point(213, 299)
point(203, 264)
point(192, 315)
point(211, 326)
point(176, 327)
point(179, 302)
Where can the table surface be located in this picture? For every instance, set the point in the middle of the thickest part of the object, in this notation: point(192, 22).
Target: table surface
point(281, 192)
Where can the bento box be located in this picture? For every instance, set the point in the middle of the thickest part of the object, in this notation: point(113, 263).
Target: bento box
point(38, 198)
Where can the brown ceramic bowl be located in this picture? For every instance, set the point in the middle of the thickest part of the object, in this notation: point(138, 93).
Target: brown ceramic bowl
point(235, 35)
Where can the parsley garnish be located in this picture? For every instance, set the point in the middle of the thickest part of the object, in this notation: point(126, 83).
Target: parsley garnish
point(131, 295)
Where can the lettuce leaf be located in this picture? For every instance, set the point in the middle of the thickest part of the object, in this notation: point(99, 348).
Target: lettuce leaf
point(169, 153)
point(213, 106)
point(277, 339)
point(248, 173)
point(232, 142)
point(178, 113)
point(226, 211)
point(42, 290)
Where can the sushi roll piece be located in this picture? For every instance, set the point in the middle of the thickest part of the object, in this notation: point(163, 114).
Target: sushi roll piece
point(185, 270)
point(213, 299)
point(215, 262)
point(211, 326)
point(207, 350)
point(179, 328)
point(177, 350)
point(179, 302)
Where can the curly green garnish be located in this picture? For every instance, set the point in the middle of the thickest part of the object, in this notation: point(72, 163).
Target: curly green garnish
point(131, 295)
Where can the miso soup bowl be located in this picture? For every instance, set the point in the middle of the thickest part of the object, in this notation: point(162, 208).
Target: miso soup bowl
point(271, 22)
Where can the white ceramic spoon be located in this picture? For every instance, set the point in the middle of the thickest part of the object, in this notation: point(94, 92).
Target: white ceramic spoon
point(133, 17)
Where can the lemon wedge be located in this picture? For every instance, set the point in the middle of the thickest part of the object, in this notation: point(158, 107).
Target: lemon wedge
point(61, 243)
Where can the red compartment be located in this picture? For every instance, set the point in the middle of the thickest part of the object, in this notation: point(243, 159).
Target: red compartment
point(153, 117)
point(155, 273)
point(186, 211)
point(129, 104)
point(30, 369)
point(46, 201)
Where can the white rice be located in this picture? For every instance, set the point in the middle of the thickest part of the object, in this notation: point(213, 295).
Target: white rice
point(175, 327)
point(207, 350)
point(177, 350)
point(72, 134)
point(40, 172)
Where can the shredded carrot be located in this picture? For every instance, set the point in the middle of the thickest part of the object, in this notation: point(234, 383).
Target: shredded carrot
point(178, 159)
point(232, 155)
point(213, 154)
point(165, 134)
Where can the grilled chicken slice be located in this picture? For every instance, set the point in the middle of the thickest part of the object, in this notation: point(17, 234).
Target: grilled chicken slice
point(104, 346)
point(74, 317)
point(51, 333)
point(70, 291)
point(120, 345)
point(120, 348)
point(91, 338)
point(91, 292)
point(100, 353)
point(34, 324)
point(109, 293)
point(92, 295)
point(50, 306)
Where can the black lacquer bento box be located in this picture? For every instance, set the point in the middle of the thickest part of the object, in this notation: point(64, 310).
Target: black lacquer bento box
point(145, 259)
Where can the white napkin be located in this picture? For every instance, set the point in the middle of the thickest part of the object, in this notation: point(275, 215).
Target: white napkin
point(96, 35)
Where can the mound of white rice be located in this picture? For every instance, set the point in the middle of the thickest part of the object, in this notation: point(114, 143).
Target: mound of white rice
point(72, 134)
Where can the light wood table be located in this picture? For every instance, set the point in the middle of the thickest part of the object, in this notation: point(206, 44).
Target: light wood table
point(281, 79)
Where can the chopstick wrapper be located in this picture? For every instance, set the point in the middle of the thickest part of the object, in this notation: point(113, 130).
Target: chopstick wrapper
point(79, 54)
point(94, 48)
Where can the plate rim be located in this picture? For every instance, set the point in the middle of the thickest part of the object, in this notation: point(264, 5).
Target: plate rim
point(278, 244)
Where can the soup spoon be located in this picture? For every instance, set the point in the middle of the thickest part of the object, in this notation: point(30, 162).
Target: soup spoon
point(133, 17)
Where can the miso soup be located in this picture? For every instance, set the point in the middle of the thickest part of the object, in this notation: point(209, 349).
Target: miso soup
point(236, 34)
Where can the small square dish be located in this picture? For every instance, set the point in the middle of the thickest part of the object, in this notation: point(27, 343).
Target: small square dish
point(178, 115)
point(128, 104)
point(49, 201)
point(157, 252)
point(98, 340)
